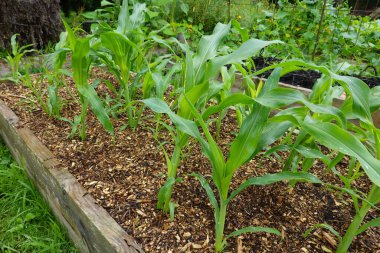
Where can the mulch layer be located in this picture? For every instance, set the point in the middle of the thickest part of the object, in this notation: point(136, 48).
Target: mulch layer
point(124, 175)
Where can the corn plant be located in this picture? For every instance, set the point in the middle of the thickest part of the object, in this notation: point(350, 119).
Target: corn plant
point(81, 62)
point(198, 70)
point(14, 59)
point(256, 133)
point(123, 50)
point(330, 127)
point(362, 144)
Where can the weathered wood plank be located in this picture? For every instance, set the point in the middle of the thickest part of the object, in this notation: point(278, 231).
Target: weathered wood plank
point(89, 226)
point(8, 114)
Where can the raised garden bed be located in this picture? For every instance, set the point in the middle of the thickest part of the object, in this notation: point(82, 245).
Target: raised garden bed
point(123, 176)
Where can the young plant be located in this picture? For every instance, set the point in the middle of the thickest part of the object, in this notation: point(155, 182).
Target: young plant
point(14, 59)
point(198, 71)
point(123, 51)
point(330, 127)
point(362, 144)
point(81, 62)
point(255, 133)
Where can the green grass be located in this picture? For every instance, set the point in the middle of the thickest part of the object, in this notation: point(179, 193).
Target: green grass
point(26, 222)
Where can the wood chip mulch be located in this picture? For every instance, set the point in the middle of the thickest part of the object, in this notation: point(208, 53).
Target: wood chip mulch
point(124, 175)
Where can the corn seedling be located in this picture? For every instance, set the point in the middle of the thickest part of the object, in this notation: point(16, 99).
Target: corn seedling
point(81, 62)
point(198, 70)
point(14, 59)
point(250, 141)
point(121, 50)
point(330, 127)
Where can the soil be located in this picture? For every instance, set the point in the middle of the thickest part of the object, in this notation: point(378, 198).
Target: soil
point(304, 78)
point(124, 175)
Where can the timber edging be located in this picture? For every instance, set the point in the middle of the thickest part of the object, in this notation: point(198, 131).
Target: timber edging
point(89, 226)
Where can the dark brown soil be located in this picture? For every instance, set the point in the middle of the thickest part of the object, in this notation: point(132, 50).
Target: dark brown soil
point(124, 175)
point(306, 78)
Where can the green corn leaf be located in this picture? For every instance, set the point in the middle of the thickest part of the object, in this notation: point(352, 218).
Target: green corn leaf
point(246, 142)
point(325, 226)
point(121, 48)
point(233, 99)
point(194, 95)
point(96, 106)
point(209, 192)
point(271, 133)
point(172, 207)
point(137, 17)
point(189, 72)
point(184, 125)
point(165, 190)
point(210, 148)
point(124, 21)
point(81, 64)
point(252, 229)
point(70, 35)
point(293, 65)
point(343, 141)
point(291, 96)
point(207, 48)
point(360, 93)
point(374, 100)
point(245, 51)
point(274, 178)
point(353, 86)
point(313, 153)
point(373, 223)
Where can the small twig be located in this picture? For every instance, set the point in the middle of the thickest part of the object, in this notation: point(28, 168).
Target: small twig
point(12, 95)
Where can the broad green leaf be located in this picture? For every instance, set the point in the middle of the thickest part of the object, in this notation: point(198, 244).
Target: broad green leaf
point(312, 153)
point(290, 96)
point(184, 125)
point(124, 21)
point(196, 94)
point(274, 178)
point(252, 229)
point(353, 86)
point(96, 106)
point(138, 15)
point(246, 142)
point(80, 61)
point(375, 99)
point(343, 141)
point(210, 148)
point(360, 93)
point(70, 35)
point(233, 99)
point(245, 51)
point(271, 133)
point(207, 48)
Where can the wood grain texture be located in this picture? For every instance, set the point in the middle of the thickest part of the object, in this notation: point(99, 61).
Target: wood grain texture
point(89, 226)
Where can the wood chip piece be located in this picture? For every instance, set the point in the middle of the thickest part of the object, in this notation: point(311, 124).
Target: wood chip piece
point(329, 239)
